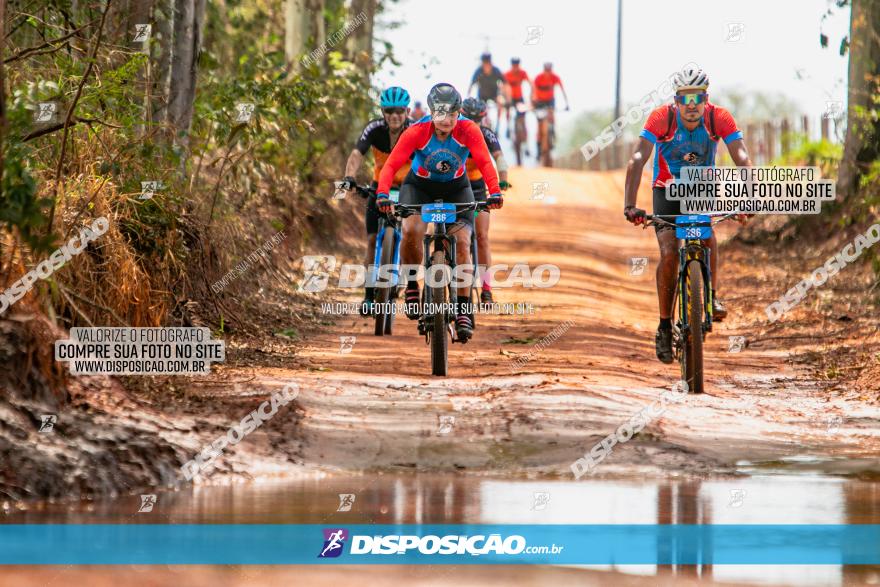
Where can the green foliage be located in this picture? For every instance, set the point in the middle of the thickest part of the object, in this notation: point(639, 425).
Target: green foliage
point(823, 154)
point(20, 206)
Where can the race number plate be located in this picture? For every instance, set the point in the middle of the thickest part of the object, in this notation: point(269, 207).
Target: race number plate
point(693, 227)
point(394, 196)
point(444, 212)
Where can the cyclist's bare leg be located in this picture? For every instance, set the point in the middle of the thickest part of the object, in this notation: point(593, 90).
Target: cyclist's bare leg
point(411, 243)
point(483, 254)
point(463, 252)
point(667, 271)
point(371, 249)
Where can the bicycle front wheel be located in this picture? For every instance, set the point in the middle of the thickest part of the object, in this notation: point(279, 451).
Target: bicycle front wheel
point(439, 338)
point(692, 360)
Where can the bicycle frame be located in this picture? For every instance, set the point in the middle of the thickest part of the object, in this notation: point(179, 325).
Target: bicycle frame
point(384, 225)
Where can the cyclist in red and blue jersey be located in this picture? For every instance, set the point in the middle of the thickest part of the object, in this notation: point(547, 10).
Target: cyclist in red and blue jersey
point(475, 109)
point(685, 133)
point(439, 145)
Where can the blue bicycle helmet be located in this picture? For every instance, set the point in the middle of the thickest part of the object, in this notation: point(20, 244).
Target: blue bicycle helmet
point(394, 97)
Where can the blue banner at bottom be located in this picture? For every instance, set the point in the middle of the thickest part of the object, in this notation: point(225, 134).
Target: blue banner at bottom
point(269, 544)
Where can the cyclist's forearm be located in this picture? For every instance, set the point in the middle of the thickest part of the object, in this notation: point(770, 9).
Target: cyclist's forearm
point(739, 153)
point(633, 179)
point(501, 164)
point(354, 163)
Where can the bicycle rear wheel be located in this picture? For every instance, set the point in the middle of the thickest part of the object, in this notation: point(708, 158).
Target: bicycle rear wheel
point(439, 337)
point(383, 289)
point(692, 360)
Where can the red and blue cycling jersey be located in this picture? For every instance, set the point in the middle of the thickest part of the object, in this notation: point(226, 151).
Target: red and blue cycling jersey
point(678, 147)
point(437, 160)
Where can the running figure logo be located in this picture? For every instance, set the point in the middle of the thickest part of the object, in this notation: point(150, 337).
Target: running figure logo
point(316, 272)
point(346, 500)
point(47, 422)
point(637, 265)
point(334, 541)
point(147, 503)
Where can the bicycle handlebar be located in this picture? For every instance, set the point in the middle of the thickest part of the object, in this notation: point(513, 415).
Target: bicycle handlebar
point(651, 219)
point(404, 210)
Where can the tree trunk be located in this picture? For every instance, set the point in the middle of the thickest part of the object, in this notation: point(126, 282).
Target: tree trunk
point(160, 59)
point(2, 87)
point(295, 28)
point(862, 142)
point(360, 43)
point(189, 16)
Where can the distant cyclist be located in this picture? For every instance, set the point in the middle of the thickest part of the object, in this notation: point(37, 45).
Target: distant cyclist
point(418, 112)
point(380, 135)
point(685, 133)
point(439, 146)
point(475, 109)
point(544, 94)
point(515, 77)
point(490, 83)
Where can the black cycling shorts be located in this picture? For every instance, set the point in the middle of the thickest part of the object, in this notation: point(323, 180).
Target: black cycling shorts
point(664, 207)
point(372, 216)
point(479, 188)
point(417, 190)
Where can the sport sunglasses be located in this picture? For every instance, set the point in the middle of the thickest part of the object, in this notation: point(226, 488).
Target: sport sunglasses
point(394, 110)
point(684, 99)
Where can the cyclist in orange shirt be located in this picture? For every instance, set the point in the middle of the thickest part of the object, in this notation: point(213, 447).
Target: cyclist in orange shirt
point(514, 79)
point(543, 94)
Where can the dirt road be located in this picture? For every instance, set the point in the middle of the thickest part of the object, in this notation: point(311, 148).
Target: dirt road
point(378, 406)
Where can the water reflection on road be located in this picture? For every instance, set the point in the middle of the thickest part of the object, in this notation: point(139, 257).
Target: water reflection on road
point(392, 498)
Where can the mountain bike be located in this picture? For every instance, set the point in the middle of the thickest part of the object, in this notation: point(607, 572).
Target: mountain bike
point(437, 313)
point(692, 314)
point(520, 137)
point(384, 274)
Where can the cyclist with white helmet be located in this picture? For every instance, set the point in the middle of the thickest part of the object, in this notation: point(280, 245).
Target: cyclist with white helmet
point(380, 135)
point(439, 145)
point(685, 133)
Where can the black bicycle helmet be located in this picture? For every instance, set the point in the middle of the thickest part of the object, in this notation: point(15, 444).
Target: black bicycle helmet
point(473, 108)
point(443, 98)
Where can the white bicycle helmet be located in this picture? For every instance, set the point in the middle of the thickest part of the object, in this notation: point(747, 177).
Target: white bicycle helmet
point(690, 78)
